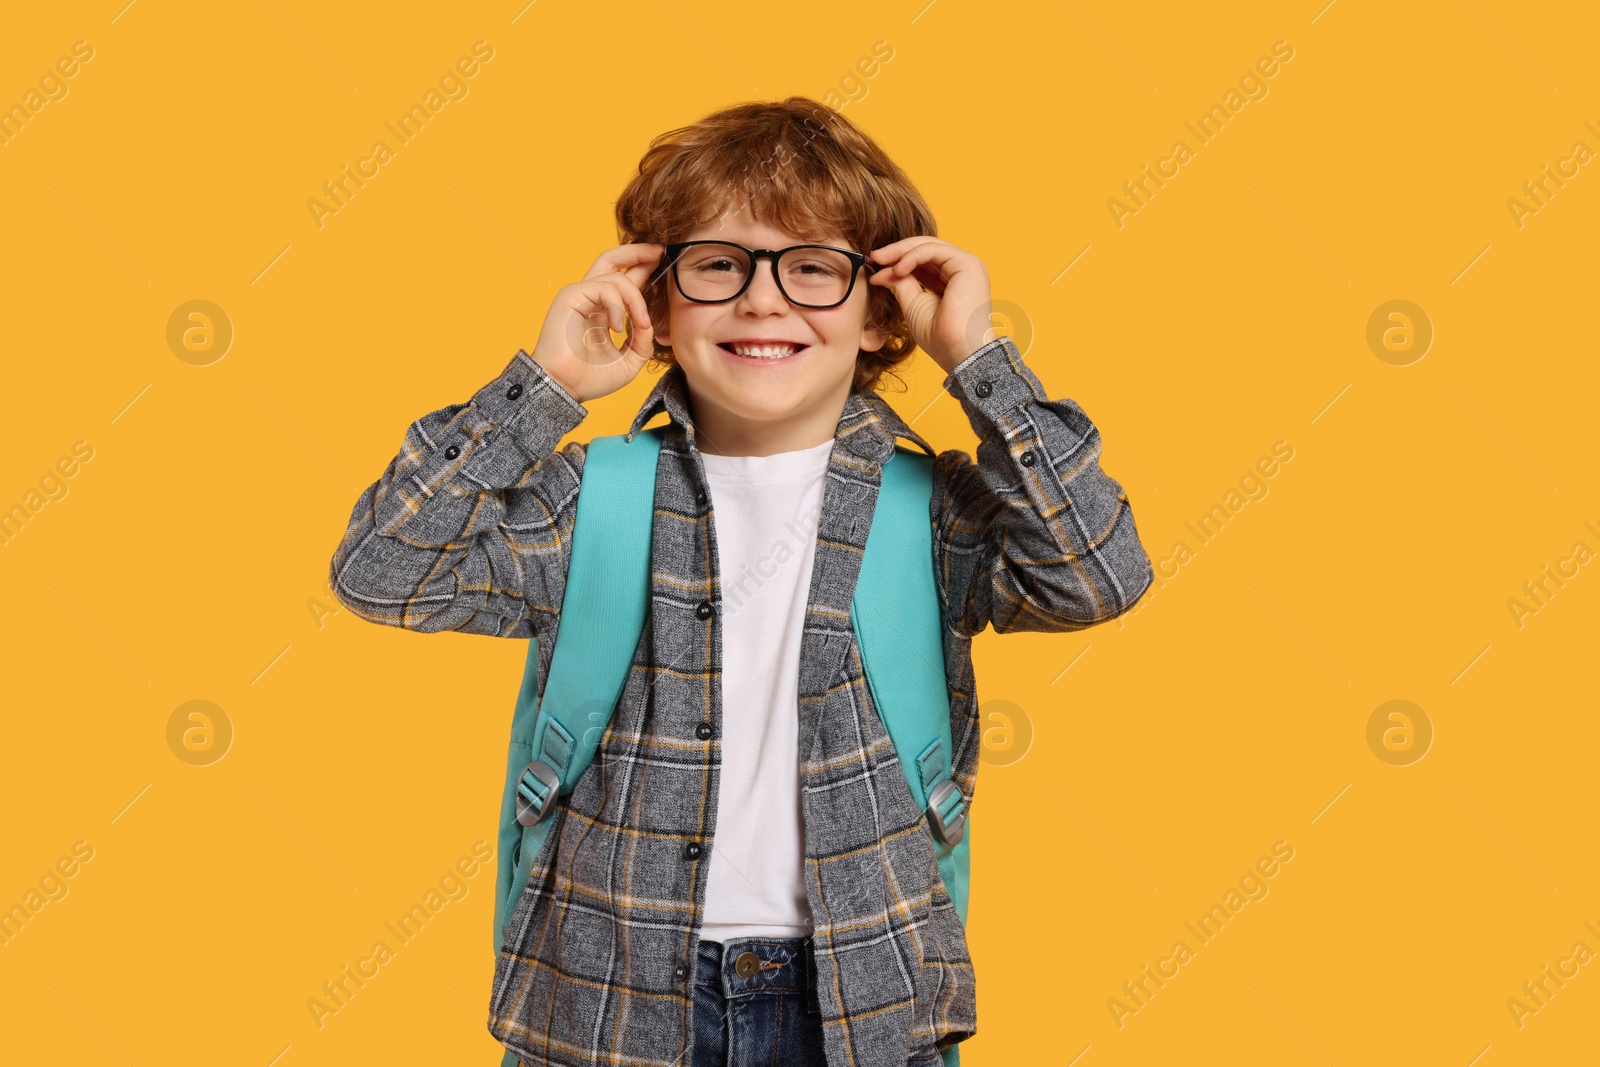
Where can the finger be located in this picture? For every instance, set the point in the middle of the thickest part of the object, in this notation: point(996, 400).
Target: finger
point(926, 274)
point(626, 257)
point(905, 290)
point(935, 266)
point(640, 331)
point(631, 296)
point(626, 313)
point(605, 301)
point(626, 287)
point(935, 252)
point(922, 263)
point(639, 341)
point(893, 251)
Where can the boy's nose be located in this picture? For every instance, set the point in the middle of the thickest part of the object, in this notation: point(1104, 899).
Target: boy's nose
point(763, 295)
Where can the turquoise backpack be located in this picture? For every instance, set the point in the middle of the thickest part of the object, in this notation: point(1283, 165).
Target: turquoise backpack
point(602, 618)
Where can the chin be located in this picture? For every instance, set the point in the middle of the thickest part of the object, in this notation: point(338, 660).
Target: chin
point(765, 405)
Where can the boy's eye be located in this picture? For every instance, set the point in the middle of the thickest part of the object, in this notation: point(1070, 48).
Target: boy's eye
point(815, 270)
point(721, 265)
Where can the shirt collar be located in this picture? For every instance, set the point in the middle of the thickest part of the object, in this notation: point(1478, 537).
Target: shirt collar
point(868, 426)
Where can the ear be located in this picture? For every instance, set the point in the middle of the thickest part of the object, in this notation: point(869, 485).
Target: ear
point(663, 331)
point(871, 339)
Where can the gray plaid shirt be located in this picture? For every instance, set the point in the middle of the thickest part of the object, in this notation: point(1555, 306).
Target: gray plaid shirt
point(469, 529)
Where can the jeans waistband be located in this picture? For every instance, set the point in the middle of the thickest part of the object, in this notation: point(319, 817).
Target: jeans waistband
point(770, 965)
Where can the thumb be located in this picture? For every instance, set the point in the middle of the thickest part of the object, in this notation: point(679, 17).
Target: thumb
point(916, 304)
point(639, 341)
point(907, 290)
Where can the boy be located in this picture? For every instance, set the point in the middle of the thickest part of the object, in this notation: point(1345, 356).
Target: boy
point(742, 868)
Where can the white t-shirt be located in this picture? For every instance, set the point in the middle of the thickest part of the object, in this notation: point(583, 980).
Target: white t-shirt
point(765, 511)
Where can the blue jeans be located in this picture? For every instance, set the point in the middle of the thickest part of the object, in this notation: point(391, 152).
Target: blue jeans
point(755, 1005)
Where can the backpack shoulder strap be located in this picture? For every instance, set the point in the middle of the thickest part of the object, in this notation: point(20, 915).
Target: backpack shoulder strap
point(898, 622)
point(554, 734)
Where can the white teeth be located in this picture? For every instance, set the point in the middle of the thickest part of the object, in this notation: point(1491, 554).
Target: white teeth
point(765, 351)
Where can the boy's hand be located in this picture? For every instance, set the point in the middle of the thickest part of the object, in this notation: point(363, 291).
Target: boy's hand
point(944, 293)
point(574, 346)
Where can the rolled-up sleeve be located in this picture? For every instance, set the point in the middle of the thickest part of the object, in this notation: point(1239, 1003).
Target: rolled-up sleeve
point(468, 527)
point(1034, 535)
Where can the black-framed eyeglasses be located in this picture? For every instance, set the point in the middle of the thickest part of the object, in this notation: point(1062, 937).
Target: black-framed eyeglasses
point(808, 276)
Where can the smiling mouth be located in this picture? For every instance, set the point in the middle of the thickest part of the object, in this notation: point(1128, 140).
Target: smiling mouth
point(774, 353)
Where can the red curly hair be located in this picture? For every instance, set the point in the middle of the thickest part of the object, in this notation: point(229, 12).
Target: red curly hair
point(798, 165)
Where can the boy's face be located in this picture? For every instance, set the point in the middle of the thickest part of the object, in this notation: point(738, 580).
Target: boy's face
point(747, 406)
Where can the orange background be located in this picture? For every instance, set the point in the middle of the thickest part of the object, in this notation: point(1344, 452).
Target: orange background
point(1136, 771)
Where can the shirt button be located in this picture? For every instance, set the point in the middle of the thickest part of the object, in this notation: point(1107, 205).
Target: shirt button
point(452, 452)
point(703, 611)
point(692, 850)
point(1027, 459)
point(681, 971)
point(514, 392)
point(984, 389)
point(700, 496)
point(703, 731)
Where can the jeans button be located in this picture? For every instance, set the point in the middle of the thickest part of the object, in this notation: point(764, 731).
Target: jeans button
point(747, 964)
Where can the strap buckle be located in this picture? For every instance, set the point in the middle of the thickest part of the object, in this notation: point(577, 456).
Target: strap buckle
point(946, 807)
point(947, 811)
point(537, 790)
